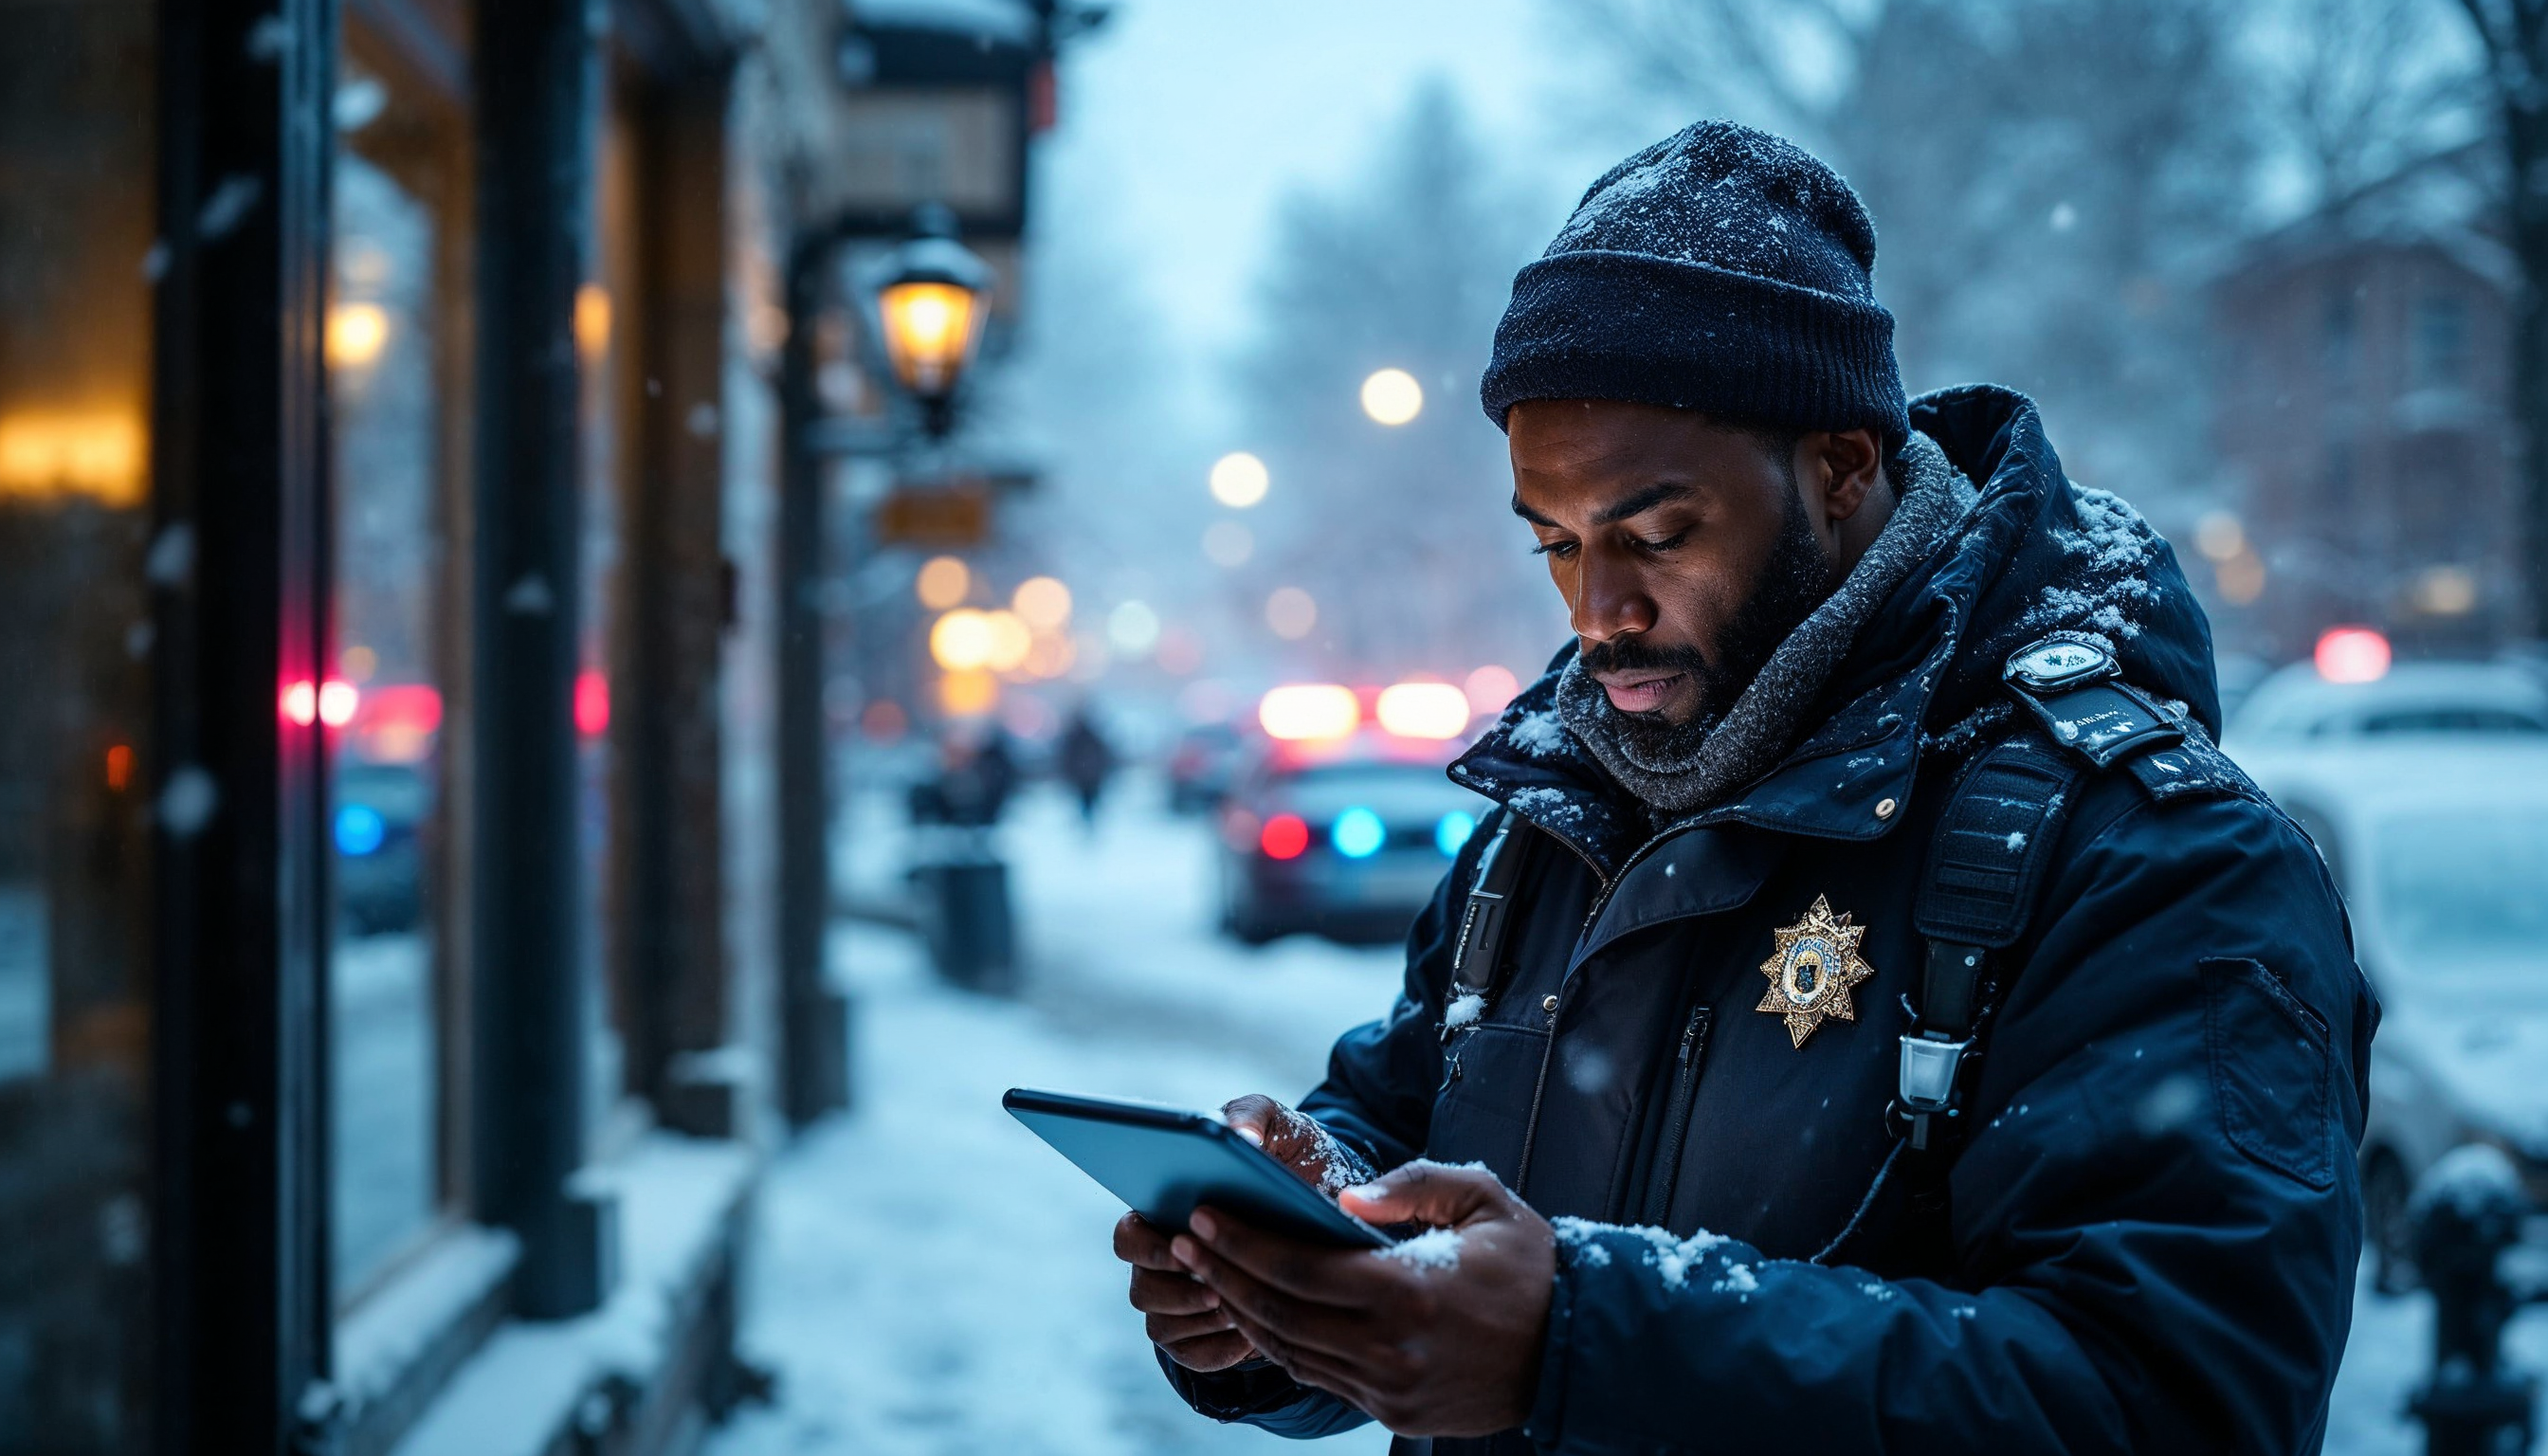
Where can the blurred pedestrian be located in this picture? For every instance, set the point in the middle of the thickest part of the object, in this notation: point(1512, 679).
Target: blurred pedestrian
point(976, 772)
point(1087, 761)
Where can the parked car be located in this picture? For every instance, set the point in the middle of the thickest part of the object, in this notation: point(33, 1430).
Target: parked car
point(2297, 704)
point(1345, 839)
point(380, 866)
point(1203, 765)
point(2439, 841)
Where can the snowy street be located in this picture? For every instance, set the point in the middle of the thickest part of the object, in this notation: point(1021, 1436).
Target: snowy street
point(931, 1279)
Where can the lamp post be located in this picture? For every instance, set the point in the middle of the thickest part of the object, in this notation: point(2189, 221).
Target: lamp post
point(931, 299)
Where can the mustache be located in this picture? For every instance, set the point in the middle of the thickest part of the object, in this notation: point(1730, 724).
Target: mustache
point(1634, 654)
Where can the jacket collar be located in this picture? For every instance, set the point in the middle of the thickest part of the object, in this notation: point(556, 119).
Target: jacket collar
point(2033, 554)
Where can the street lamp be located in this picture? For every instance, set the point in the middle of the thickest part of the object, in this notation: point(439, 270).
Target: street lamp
point(931, 303)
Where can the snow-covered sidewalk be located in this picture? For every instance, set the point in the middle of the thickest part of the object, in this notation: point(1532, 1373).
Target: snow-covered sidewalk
point(929, 1278)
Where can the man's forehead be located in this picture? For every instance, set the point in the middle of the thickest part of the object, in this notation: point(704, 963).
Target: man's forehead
point(1598, 435)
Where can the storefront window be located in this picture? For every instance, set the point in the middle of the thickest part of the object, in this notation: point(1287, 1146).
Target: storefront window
point(605, 339)
point(76, 155)
point(391, 340)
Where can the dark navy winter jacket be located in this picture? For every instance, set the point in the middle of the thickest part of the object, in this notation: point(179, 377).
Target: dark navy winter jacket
point(2148, 1236)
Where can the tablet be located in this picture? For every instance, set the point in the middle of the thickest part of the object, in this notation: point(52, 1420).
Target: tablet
point(1163, 1161)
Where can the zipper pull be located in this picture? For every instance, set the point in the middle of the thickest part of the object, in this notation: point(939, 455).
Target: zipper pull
point(1689, 1035)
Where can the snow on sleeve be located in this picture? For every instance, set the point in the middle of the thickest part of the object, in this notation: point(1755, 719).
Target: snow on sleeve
point(1674, 1260)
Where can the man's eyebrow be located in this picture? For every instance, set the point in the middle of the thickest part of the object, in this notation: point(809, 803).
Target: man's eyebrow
point(1641, 503)
point(1528, 515)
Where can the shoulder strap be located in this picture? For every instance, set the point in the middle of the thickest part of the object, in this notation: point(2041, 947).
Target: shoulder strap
point(1477, 958)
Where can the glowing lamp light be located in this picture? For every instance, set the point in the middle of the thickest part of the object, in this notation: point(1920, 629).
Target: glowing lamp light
point(1358, 833)
point(1391, 397)
point(929, 311)
point(592, 702)
point(2352, 655)
point(1452, 831)
point(1308, 710)
point(960, 641)
point(1424, 710)
point(338, 700)
point(1284, 837)
point(300, 703)
point(360, 830)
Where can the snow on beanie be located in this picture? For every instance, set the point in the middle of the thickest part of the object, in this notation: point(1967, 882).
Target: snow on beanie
point(1721, 269)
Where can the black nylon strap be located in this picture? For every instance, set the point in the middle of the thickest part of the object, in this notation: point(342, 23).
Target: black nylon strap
point(1988, 855)
point(1478, 962)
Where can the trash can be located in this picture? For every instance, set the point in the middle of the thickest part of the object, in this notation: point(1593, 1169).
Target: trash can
point(963, 887)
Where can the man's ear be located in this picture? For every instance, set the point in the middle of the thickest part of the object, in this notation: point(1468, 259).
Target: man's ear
point(1848, 463)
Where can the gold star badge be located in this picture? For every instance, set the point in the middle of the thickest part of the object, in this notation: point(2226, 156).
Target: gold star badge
point(1810, 971)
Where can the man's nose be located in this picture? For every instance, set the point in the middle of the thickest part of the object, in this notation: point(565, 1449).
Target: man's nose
point(1610, 601)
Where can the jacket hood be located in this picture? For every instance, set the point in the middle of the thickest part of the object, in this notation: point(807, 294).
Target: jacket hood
point(2036, 553)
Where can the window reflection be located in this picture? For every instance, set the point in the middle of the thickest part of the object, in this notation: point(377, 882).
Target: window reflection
point(388, 383)
point(75, 155)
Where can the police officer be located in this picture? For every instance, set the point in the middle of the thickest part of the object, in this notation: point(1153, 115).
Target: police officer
point(1877, 1016)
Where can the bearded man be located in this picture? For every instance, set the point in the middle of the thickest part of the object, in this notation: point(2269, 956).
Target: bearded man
point(1878, 1018)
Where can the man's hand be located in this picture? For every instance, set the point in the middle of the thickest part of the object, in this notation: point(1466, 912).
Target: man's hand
point(1185, 1319)
point(1298, 1142)
point(1440, 1339)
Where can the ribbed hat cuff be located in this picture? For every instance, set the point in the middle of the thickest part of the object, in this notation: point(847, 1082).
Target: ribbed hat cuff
point(1655, 331)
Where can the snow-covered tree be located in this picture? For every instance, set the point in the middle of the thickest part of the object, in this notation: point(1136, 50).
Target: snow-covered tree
point(1398, 532)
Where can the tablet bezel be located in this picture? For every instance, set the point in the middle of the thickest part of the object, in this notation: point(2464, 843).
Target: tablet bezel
point(1294, 1199)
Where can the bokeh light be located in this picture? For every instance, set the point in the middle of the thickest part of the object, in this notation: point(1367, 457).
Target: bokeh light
point(1044, 602)
point(1491, 687)
point(960, 641)
point(1133, 629)
point(1239, 479)
point(943, 583)
point(1391, 397)
point(1227, 543)
point(2352, 655)
point(1424, 709)
point(1308, 710)
point(1290, 612)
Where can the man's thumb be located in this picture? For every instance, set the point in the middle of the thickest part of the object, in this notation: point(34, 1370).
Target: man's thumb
point(1433, 1194)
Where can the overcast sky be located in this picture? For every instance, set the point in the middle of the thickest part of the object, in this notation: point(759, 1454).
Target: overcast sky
point(1185, 121)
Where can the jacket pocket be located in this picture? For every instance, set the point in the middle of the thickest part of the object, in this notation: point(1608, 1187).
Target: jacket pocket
point(1482, 1112)
point(2270, 1070)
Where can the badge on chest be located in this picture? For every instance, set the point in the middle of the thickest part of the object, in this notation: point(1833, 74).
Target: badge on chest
point(1811, 969)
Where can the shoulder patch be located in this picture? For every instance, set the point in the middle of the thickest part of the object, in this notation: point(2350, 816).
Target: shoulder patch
point(2192, 768)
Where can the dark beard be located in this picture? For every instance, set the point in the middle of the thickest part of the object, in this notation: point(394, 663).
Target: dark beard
point(1795, 581)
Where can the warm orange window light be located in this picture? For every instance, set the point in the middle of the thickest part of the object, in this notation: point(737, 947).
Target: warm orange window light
point(118, 767)
point(47, 455)
point(591, 319)
point(356, 334)
point(929, 332)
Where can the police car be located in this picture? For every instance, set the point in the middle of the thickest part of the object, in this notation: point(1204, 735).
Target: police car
point(1343, 823)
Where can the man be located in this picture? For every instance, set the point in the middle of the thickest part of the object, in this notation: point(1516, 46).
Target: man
point(1882, 1020)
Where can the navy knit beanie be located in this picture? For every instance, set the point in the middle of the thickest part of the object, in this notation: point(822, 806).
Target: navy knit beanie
point(1723, 270)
